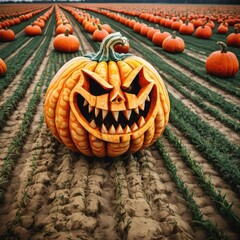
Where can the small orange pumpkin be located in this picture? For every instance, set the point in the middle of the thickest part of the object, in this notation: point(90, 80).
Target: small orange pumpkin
point(3, 67)
point(99, 34)
point(186, 28)
point(32, 30)
point(173, 44)
point(66, 42)
point(233, 39)
point(7, 35)
point(222, 63)
point(159, 37)
point(106, 103)
point(61, 28)
point(203, 31)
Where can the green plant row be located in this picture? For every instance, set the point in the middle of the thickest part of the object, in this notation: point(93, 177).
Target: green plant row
point(219, 198)
point(16, 63)
point(19, 27)
point(46, 77)
point(199, 101)
point(191, 40)
point(213, 145)
point(14, 150)
point(27, 77)
point(197, 215)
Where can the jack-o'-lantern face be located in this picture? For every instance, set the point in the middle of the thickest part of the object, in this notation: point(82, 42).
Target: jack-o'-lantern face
point(113, 111)
point(107, 107)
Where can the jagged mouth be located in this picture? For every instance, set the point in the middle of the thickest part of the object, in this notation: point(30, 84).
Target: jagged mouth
point(115, 122)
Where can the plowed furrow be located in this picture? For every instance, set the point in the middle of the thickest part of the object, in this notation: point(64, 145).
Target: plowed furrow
point(205, 203)
point(13, 124)
point(229, 133)
point(209, 171)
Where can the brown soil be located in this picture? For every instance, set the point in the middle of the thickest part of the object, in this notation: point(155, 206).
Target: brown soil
point(56, 194)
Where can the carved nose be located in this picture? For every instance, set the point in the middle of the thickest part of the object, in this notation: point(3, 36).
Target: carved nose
point(117, 96)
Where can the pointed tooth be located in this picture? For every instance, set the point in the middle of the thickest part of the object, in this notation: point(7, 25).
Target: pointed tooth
point(104, 114)
point(136, 110)
point(115, 115)
point(141, 121)
point(127, 129)
point(97, 110)
point(112, 130)
point(142, 106)
point(134, 127)
point(93, 124)
point(85, 103)
point(104, 129)
point(127, 114)
point(148, 99)
point(119, 129)
point(90, 108)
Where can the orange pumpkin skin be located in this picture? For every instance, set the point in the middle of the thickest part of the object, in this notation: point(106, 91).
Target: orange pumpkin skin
point(122, 48)
point(32, 30)
point(7, 35)
point(222, 63)
point(233, 39)
point(99, 34)
point(3, 68)
point(66, 43)
point(159, 37)
point(186, 28)
point(173, 44)
point(63, 27)
point(203, 31)
point(107, 105)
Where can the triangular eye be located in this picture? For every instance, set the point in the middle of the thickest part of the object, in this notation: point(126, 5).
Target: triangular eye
point(138, 79)
point(134, 87)
point(95, 88)
point(94, 84)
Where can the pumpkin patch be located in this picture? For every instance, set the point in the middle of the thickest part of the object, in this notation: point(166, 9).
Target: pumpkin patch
point(119, 137)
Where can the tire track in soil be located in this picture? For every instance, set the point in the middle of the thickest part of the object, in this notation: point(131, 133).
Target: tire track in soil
point(206, 205)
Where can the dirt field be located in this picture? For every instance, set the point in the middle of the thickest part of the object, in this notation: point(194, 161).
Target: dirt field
point(175, 189)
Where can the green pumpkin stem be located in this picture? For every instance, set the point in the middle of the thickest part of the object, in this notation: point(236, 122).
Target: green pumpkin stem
point(99, 27)
point(223, 46)
point(67, 32)
point(174, 34)
point(106, 51)
point(236, 30)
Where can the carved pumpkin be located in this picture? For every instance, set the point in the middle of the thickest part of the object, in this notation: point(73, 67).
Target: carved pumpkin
point(3, 68)
point(107, 104)
point(222, 63)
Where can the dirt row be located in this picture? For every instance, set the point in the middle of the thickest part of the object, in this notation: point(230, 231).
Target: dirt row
point(56, 194)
